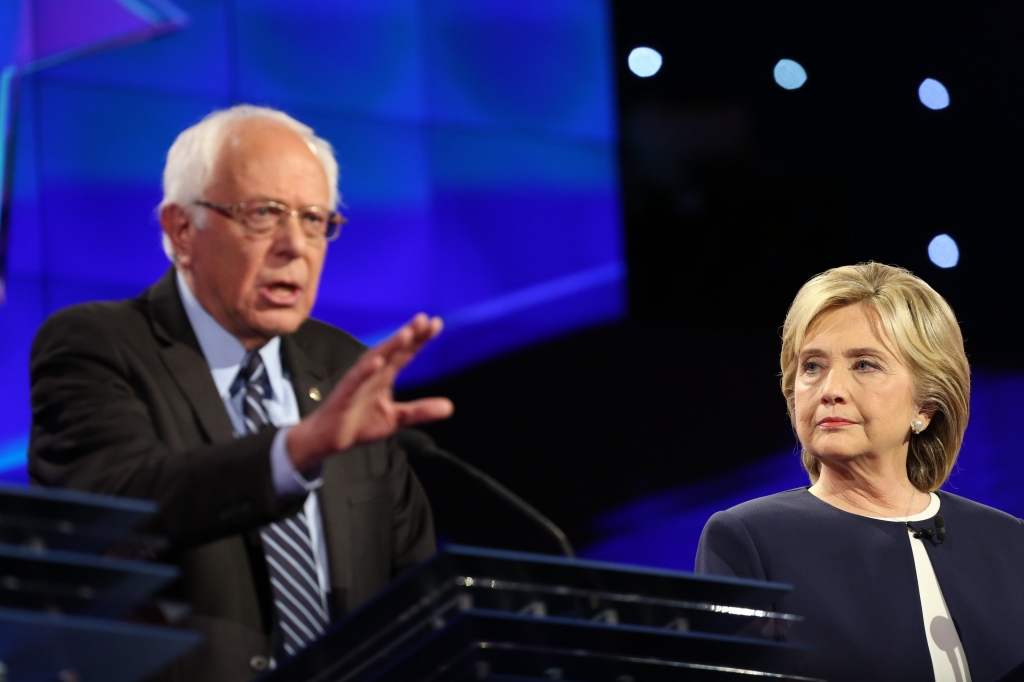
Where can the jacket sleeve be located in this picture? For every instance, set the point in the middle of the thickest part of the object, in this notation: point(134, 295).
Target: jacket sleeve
point(93, 430)
point(726, 548)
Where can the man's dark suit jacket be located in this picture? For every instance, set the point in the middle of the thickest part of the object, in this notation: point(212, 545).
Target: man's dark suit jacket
point(123, 403)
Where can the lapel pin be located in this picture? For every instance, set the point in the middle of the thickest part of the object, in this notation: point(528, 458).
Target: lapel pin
point(314, 393)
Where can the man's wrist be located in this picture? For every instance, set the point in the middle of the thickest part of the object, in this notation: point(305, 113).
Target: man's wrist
point(304, 447)
point(289, 480)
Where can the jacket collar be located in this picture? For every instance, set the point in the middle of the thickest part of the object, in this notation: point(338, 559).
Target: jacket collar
point(181, 354)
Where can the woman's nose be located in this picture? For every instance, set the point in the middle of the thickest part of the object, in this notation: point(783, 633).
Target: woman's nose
point(834, 388)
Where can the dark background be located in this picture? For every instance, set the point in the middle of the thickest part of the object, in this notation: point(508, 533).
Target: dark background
point(736, 191)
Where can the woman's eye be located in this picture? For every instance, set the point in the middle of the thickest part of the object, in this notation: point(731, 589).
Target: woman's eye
point(810, 366)
point(864, 365)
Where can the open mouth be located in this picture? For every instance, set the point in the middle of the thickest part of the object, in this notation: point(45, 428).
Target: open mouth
point(281, 293)
point(283, 288)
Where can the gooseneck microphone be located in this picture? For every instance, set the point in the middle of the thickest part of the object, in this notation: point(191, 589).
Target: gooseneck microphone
point(939, 532)
point(417, 442)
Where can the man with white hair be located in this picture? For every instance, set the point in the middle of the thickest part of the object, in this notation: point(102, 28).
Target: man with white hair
point(262, 434)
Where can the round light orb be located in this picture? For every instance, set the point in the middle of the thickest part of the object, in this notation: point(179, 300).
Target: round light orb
point(644, 61)
point(933, 94)
point(943, 251)
point(790, 74)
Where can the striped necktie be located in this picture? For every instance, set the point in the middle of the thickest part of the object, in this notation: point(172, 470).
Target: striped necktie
point(286, 544)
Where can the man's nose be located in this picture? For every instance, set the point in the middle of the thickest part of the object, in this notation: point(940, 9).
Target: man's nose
point(290, 240)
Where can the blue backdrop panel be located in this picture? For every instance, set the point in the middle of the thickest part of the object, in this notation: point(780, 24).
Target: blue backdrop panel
point(379, 270)
point(533, 63)
point(522, 211)
point(18, 321)
point(100, 159)
point(24, 310)
point(477, 152)
point(25, 246)
point(197, 60)
point(356, 56)
point(10, 19)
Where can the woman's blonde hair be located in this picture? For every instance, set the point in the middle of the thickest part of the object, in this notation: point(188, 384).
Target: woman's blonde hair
point(922, 326)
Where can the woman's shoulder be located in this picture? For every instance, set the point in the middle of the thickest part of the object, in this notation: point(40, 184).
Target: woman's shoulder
point(737, 541)
point(797, 500)
point(962, 510)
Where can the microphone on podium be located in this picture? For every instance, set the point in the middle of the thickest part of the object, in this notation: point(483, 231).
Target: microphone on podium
point(417, 442)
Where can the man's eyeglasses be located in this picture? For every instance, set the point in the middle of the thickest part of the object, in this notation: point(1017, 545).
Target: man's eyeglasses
point(262, 218)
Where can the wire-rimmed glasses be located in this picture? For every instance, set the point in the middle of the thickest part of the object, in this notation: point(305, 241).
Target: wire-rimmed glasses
point(262, 218)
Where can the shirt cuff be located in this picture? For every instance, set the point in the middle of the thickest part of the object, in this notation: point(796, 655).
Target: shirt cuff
point(289, 481)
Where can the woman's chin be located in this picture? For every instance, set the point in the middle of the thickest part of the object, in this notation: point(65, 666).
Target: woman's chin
point(836, 453)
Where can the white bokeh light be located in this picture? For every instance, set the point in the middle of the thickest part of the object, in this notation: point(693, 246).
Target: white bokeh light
point(943, 251)
point(933, 94)
point(790, 74)
point(644, 61)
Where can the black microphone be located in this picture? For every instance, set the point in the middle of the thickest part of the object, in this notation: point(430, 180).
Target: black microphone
point(939, 532)
point(418, 443)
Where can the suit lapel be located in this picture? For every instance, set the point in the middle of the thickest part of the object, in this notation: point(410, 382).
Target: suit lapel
point(184, 359)
point(308, 377)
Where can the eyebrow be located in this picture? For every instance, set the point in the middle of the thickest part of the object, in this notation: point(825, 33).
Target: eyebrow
point(850, 353)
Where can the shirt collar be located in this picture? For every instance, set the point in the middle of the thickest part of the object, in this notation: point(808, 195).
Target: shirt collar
point(223, 352)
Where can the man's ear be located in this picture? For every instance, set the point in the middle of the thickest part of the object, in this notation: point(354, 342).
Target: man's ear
point(178, 226)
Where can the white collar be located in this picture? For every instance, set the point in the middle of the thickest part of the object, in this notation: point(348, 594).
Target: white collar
point(931, 510)
point(222, 350)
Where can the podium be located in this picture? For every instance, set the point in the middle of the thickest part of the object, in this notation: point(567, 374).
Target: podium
point(71, 570)
point(478, 614)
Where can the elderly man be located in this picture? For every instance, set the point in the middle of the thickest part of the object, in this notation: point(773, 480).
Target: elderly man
point(262, 434)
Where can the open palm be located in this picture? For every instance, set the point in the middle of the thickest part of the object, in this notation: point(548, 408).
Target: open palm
point(361, 408)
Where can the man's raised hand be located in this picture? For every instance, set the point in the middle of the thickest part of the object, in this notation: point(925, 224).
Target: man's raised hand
point(361, 408)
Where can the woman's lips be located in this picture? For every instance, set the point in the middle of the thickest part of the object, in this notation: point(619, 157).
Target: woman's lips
point(834, 422)
point(281, 293)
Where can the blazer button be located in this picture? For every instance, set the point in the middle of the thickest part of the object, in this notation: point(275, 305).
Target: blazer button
point(314, 393)
point(259, 663)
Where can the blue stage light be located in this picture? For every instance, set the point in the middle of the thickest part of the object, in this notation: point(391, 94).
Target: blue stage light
point(943, 251)
point(933, 94)
point(644, 61)
point(790, 74)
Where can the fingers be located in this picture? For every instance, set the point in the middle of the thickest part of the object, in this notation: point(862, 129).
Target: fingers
point(404, 344)
point(414, 332)
point(365, 368)
point(378, 366)
point(423, 328)
point(423, 410)
point(402, 337)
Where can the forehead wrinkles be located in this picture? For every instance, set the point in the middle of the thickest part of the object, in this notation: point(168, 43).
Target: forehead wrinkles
point(269, 160)
point(829, 320)
point(256, 142)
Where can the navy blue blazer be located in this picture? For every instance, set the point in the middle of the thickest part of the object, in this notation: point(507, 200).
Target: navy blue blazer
point(855, 583)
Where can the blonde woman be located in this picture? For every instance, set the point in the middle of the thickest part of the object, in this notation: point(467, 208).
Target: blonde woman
point(897, 579)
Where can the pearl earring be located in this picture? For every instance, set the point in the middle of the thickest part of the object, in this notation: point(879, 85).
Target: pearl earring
point(917, 426)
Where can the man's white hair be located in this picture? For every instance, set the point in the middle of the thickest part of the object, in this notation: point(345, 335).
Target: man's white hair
point(191, 158)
